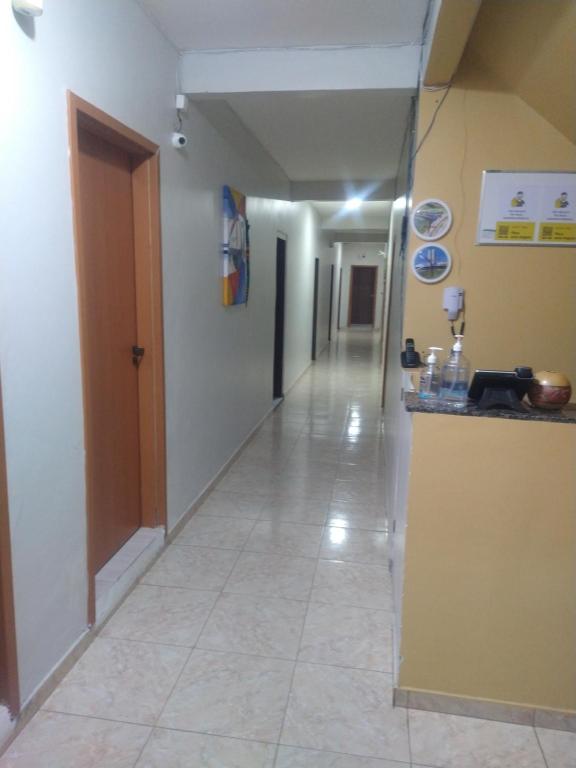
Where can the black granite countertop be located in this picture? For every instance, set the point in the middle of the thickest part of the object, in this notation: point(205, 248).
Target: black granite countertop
point(415, 405)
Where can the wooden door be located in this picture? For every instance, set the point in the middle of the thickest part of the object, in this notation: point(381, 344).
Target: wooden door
point(110, 326)
point(362, 295)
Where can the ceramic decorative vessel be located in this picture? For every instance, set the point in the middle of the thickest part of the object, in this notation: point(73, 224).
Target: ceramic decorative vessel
point(551, 390)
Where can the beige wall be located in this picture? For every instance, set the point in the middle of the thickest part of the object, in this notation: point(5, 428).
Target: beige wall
point(490, 581)
point(521, 301)
point(533, 54)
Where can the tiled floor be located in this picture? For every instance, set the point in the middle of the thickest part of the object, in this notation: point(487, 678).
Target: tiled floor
point(262, 636)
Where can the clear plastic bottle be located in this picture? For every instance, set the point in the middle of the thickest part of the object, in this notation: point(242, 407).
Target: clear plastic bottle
point(455, 377)
point(429, 388)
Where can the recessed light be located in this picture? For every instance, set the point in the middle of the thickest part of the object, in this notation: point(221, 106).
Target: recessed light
point(353, 204)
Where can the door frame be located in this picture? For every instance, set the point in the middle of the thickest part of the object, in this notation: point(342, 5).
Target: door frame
point(8, 650)
point(374, 268)
point(315, 306)
point(338, 324)
point(279, 321)
point(149, 316)
point(330, 313)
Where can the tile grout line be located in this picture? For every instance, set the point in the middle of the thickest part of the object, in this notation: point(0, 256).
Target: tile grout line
point(409, 733)
point(154, 727)
point(291, 686)
point(143, 747)
point(540, 745)
point(192, 649)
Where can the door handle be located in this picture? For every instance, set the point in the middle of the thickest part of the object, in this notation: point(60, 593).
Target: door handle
point(137, 355)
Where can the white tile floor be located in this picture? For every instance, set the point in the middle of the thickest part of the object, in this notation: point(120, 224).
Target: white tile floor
point(262, 636)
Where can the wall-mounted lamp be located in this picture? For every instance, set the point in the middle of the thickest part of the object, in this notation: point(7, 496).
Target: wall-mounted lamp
point(28, 7)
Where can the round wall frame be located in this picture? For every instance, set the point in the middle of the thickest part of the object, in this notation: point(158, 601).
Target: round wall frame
point(431, 263)
point(431, 219)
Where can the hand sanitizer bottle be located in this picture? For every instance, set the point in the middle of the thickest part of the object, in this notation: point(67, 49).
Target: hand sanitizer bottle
point(430, 376)
point(454, 378)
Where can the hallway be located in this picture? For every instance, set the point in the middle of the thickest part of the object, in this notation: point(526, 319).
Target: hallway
point(262, 636)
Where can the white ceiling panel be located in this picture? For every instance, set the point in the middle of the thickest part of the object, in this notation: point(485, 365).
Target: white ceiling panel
point(329, 136)
point(370, 216)
point(217, 24)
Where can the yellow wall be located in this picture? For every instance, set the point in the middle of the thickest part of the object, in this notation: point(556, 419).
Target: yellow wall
point(532, 52)
point(489, 606)
point(521, 301)
point(455, 20)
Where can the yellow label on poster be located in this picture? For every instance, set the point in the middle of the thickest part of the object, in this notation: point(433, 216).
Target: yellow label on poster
point(515, 230)
point(556, 232)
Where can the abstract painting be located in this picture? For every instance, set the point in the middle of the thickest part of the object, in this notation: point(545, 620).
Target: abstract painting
point(235, 248)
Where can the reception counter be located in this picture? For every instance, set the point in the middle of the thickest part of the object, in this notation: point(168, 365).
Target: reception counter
point(488, 623)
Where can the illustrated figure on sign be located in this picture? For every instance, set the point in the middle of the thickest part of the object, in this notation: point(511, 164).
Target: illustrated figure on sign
point(562, 201)
point(518, 200)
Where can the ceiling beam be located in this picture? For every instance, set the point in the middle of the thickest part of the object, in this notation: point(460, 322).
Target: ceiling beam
point(453, 25)
point(359, 236)
point(299, 69)
point(343, 190)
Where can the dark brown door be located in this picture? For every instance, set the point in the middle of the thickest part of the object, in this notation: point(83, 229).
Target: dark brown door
point(362, 295)
point(111, 378)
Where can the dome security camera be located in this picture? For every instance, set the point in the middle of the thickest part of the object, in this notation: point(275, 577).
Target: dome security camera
point(179, 140)
point(28, 7)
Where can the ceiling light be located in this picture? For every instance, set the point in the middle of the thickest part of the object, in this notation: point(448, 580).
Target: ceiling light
point(353, 204)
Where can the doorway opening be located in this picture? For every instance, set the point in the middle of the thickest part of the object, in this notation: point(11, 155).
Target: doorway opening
point(115, 189)
point(315, 307)
point(279, 315)
point(362, 303)
point(9, 690)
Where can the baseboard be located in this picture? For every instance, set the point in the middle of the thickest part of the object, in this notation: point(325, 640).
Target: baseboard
point(485, 709)
point(35, 702)
point(297, 379)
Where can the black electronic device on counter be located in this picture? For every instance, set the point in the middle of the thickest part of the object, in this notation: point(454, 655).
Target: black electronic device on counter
point(409, 357)
point(501, 389)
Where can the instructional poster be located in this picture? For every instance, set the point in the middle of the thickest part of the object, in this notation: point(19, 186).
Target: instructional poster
point(531, 208)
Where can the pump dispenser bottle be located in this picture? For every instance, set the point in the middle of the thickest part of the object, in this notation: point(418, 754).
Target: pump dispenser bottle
point(455, 377)
point(430, 377)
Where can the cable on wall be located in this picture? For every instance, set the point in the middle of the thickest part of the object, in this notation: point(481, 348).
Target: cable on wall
point(433, 120)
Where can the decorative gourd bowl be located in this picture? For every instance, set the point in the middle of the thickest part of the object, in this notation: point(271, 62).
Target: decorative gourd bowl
point(551, 390)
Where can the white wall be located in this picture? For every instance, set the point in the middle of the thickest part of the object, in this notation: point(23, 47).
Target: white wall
point(218, 361)
point(363, 255)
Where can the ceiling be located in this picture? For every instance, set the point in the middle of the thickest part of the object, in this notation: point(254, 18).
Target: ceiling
point(217, 24)
point(368, 224)
point(314, 136)
point(370, 216)
point(329, 136)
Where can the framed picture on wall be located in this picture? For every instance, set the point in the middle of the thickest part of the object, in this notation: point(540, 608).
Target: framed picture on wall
point(431, 263)
point(235, 253)
point(431, 219)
